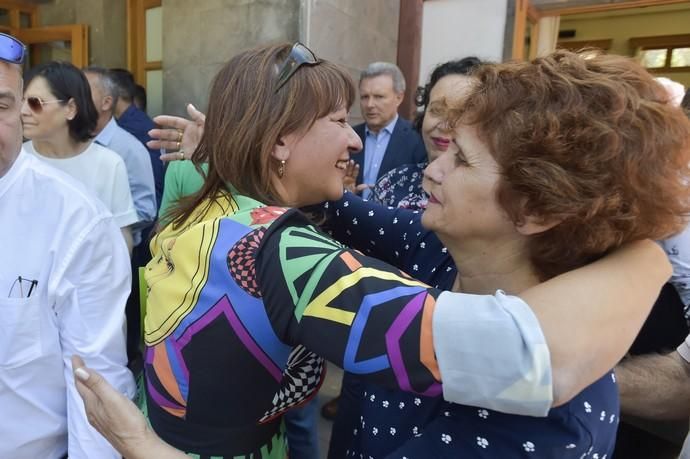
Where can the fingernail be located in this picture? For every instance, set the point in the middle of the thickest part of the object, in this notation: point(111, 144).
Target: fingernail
point(82, 374)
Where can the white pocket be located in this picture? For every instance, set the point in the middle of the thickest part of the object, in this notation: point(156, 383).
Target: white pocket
point(20, 331)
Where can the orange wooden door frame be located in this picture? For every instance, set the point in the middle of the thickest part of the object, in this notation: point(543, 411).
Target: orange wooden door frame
point(136, 39)
point(76, 34)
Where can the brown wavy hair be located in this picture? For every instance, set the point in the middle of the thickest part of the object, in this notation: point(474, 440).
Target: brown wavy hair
point(246, 117)
point(588, 140)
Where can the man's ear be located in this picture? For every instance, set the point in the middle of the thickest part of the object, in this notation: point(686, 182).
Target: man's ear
point(107, 104)
point(399, 96)
point(531, 225)
point(281, 149)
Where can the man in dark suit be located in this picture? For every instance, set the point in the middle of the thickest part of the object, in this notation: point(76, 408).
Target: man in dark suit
point(389, 140)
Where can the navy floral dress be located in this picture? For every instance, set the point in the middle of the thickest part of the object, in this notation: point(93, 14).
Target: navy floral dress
point(401, 187)
point(392, 424)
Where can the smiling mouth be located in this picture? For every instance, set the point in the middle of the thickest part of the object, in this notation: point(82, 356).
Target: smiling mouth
point(342, 164)
point(433, 200)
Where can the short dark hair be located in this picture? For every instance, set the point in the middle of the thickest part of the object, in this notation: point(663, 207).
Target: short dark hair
point(124, 80)
point(139, 98)
point(463, 66)
point(105, 78)
point(66, 82)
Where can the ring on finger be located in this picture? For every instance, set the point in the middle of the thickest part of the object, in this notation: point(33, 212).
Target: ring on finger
point(178, 146)
point(179, 136)
point(181, 153)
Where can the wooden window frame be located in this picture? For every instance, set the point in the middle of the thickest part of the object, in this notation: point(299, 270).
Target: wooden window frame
point(565, 11)
point(16, 8)
point(529, 12)
point(604, 44)
point(136, 39)
point(665, 42)
point(525, 13)
point(76, 34)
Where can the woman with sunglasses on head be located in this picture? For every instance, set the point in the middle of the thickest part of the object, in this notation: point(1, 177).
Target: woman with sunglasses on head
point(243, 289)
point(59, 117)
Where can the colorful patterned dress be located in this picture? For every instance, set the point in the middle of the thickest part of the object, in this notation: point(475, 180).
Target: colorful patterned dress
point(390, 424)
point(236, 298)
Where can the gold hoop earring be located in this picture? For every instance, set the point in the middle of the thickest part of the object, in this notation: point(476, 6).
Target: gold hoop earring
point(281, 168)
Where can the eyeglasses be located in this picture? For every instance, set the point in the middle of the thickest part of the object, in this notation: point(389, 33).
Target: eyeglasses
point(11, 49)
point(299, 55)
point(36, 103)
point(22, 287)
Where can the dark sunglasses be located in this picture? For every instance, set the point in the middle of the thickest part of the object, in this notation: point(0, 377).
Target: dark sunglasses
point(36, 103)
point(299, 55)
point(11, 49)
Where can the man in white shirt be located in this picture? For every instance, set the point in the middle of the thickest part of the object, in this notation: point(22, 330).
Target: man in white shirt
point(141, 183)
point(64, 279)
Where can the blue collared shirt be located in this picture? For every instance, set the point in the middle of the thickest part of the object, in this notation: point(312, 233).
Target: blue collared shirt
point(375, 146)
point(139, 172)
point(138, 123)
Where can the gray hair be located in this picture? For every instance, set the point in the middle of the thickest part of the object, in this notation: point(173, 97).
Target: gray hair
point(385, 68)
point(105, 81)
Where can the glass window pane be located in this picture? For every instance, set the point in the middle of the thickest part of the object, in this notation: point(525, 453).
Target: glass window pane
point(24, 20)
point(653, 58)
point(52, 51)
point(529, 40)
point(680, 57)
point(154, 92)
point(154, 34)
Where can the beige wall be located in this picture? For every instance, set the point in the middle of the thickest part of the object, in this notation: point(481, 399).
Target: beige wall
point(621, 28)
point(352, 33)
point(198, 37)
point(107, 26)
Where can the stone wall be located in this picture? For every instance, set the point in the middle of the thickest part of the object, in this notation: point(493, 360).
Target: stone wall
point(107, 26)
point(198, 37)
point(352, 33)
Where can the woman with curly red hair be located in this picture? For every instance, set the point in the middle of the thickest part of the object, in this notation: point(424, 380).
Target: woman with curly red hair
point(555, 163)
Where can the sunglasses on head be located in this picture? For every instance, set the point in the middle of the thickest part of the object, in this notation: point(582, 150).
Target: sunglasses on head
point(299, 55)
point(36, 103)
point(11, 49)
